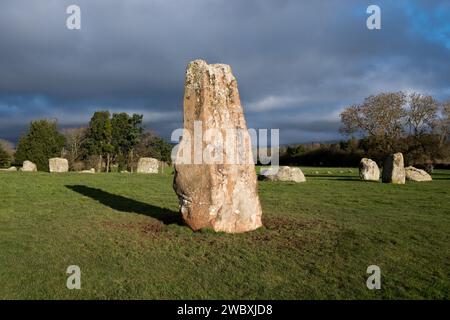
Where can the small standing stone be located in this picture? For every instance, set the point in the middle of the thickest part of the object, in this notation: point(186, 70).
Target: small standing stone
point(92, 170)
point(418, 175)
point(58, 165)
point(394, 169)
point(148, 165)
point(368, 170)
point(284, 173)
point(9, 169)
point(28, 166)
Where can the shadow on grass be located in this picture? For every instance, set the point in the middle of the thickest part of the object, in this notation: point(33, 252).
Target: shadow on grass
point(124, 204)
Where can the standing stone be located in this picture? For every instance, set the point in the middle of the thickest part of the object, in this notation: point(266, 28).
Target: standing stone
point(368, 170)
point(394, 169)
point(58, 165)
point(92, 170)
point(9, 169)
point(418, 175)
point(147, 165)
point(284, 173)
point(28, 166)
point(215, 182)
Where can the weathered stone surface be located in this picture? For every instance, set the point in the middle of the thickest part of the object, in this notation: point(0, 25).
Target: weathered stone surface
point(368, 170)
point(394, 169)
point(218, 193)
point(28, 166)
point(92, 170)
point(58, 165)
point(284, 173)
point(414, 174)
point(147, 165)
point(9, 169)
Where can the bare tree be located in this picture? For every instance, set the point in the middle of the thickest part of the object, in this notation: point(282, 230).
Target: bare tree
point(7, 146)
point(74, 141)
point(422, 114)
point(443, 122)
point(380, 116)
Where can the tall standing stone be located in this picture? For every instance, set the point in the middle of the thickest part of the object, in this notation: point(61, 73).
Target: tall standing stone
point(215, 193)
point(58, 165)
point(394, 169)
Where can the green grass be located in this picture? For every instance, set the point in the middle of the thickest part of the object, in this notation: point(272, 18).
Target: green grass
point(124, 232)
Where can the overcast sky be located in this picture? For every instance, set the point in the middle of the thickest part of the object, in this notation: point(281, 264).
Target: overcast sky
point(298, 63)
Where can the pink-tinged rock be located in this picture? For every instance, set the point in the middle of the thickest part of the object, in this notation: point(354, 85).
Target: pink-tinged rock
point(221, 194)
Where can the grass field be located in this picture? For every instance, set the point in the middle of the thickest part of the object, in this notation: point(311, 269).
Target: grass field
point(124, 232)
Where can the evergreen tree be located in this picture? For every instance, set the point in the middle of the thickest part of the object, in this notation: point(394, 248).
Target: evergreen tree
point(126, 132)
point(150, 145)
point(42, 142)
point(98, 138)
point(5, 158)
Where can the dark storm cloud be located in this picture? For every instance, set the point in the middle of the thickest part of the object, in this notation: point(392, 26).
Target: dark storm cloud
point(298, 63)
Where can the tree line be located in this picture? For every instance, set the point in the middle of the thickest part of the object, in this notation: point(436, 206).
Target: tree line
point(415, 124)
point(108, 143)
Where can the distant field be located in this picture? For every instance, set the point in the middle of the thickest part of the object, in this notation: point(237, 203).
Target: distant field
point(124, 232)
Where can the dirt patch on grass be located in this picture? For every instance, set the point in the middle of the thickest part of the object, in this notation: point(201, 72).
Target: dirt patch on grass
point(291, 233)
point(153, 228)
point(283, 223)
